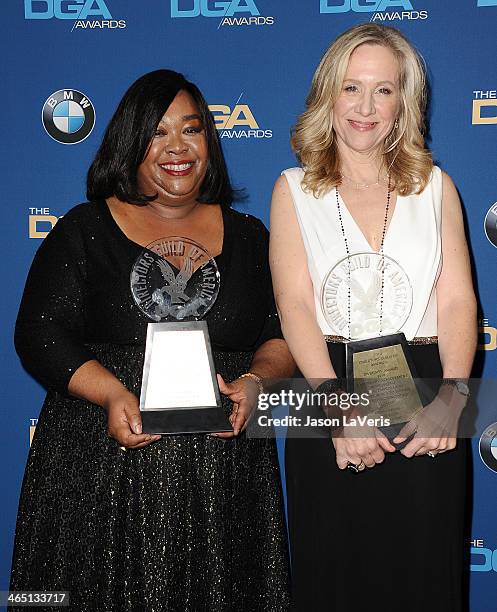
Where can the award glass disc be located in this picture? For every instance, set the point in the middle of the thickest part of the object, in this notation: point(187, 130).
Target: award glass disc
point(365, 281)
point(175, 279)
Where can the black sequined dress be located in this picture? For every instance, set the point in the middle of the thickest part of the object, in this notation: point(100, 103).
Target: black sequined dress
point(191, 523)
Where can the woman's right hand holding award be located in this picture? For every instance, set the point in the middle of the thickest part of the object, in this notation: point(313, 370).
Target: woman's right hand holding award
point(360, 445)
point(124, 422)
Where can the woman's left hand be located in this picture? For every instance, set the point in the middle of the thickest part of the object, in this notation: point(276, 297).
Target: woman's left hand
point(435, 426)
point(243, 392)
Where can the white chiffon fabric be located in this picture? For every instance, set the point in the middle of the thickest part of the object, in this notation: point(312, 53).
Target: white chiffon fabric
point(413, 240)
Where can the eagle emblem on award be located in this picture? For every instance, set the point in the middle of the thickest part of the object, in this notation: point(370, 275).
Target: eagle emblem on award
point(378, 288)
point(175, 279)
point(175, 282)
point(366, 298)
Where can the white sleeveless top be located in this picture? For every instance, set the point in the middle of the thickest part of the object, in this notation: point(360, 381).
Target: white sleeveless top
point(412, 263)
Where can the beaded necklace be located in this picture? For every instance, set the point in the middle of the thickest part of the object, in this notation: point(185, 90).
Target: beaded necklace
point(381, 252)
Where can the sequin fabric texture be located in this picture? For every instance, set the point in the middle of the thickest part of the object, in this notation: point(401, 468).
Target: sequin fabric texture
point(189, 524)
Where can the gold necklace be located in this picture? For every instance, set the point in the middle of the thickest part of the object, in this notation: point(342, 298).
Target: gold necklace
point(357, 185)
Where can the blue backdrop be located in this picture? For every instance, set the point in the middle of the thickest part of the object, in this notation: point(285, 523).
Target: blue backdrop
point(253, 60)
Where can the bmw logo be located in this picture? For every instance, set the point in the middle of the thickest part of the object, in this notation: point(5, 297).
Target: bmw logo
point(491, 224)
point(68, 116)
point(488, 447)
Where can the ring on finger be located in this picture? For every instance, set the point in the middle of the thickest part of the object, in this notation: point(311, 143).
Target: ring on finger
point(356, 467)
point(431, 454)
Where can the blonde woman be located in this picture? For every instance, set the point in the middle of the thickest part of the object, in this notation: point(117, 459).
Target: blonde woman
point(391, 534)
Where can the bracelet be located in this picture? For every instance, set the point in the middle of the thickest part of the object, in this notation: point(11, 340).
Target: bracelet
point(255, 378)
point(331, 385)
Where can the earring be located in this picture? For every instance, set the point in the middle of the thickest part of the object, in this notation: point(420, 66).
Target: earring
point(396, 124)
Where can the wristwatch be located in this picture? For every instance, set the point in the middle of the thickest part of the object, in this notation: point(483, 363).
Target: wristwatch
point(460, 385)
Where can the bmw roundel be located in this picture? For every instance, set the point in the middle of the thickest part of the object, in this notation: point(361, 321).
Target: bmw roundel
point(68, 116)
point(491, 224)
point(488, 447)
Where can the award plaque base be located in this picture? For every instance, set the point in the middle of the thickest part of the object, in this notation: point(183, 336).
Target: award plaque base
point(382, 368)
point(198, 420)
point(179, 391)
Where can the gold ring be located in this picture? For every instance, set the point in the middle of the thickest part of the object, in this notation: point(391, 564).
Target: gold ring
point(356, 467)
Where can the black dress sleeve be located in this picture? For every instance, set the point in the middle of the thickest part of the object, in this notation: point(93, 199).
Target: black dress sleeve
point(271, 328)
point(49, 336)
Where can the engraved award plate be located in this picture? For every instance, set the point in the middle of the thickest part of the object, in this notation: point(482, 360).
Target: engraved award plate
point(175, 282)
point(382, 368)
point(364, 296)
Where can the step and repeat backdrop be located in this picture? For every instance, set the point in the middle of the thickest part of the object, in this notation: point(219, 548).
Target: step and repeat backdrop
point(66, 64)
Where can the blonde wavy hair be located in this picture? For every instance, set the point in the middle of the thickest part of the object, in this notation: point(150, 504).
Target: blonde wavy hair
point(313, 137)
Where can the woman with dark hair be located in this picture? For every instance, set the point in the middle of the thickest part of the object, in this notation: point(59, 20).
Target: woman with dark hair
point(122, 519)
point(130, 132)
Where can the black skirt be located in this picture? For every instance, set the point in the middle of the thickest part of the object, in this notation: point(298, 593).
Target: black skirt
point(191, 523)
point(389, 538)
